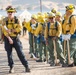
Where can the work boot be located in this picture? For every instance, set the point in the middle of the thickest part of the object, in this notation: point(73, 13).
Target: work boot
point(71, 65)
point(11, 70)
point(64, 65)
point(28, 69)
point(39, 60)
point(74, 64)
point(52, 63)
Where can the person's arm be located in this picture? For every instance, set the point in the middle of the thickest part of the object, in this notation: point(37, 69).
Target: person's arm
point(59, 30)
point(73, 25)
point(5, 31)
point(38, 30)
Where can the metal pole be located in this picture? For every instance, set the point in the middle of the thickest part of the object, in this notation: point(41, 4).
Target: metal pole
point(40, 5)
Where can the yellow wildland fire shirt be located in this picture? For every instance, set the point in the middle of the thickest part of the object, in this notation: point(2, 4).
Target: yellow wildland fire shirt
point(0, 23)
point(10, 24)
point(28, 26)
point(39, 29)
point(67, 27)
point(24, 24)
point(53, 30)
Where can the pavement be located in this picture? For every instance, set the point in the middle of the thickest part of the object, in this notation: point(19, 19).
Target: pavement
point(37, 68)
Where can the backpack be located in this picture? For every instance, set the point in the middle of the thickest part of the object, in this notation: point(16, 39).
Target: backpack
point(15, 22)
point(56, 23)
point(69, 19)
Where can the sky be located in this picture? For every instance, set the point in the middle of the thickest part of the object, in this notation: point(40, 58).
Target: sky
point(34, 5)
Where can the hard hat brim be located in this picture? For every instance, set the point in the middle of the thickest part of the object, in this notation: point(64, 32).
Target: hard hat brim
point(11, 11)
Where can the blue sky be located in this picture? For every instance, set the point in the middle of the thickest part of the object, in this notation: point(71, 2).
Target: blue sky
point(34, 5)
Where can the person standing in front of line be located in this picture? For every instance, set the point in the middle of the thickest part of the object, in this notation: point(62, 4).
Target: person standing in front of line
point(11, 28)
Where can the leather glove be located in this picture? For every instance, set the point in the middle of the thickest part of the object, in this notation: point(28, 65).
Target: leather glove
point(54, 38)
point(33, 26)
point(66, 37)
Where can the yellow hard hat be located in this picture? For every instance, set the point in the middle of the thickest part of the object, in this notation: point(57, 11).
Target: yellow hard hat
point(50, 15)
point(70, 8)
point(53, 10)
point(39, 13)
point(41, 18)
point(58, 14)
point(34, 16)
point(46, 15)
point(10, 9)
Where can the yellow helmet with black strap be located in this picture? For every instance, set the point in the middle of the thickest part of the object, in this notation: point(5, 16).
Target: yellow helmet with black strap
point(58, 14)
point(34, 16)
point(51, 15)
point(53, 10)
point(70, 8)
point(10, 9)
point(41, 18)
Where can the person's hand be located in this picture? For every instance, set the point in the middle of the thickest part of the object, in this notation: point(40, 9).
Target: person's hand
point(10, 40)
point(66, 37)
point(46, 40)
point(8, 31)
point(33, 26)
point(54, 38)
point(13, 30)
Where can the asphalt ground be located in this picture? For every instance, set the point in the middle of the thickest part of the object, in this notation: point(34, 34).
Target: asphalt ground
point(37, 68)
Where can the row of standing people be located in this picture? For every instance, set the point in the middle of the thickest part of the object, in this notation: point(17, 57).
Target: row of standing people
point(48, 32)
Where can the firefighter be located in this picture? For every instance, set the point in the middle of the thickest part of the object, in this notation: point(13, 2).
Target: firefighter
point(31, 26)
point(1, 35)
point(39, 33)
point(53, 31)
point(24, 28)
point(69, 33)
point(58, 17)
point(11, 28)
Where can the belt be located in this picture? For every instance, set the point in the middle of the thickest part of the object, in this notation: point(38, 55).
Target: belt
point(13, 37)
point(67, 31)
point(51, 36)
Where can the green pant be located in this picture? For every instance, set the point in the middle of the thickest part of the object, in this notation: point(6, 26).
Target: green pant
point(74, 57)
point(35, 46)
point(72, 44)
point(59, 50)
point(42, 49)
point(31, 39)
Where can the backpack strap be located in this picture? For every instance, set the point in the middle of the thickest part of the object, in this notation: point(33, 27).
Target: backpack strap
point(56, 23)
point(70, 18)
point(63, 21)
point(16, 20)
point(36, 25)
point(30, 23)
point(48, 24)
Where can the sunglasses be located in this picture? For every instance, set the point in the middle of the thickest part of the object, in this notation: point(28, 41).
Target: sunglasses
point(10, 12)
point(51, 18)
